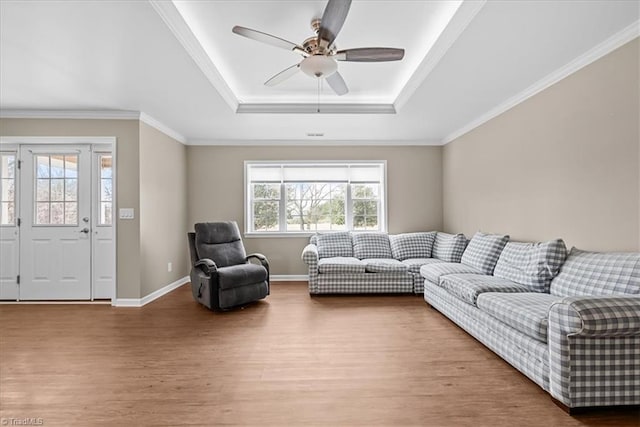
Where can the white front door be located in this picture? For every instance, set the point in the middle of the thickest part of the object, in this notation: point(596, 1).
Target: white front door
point(55, 200)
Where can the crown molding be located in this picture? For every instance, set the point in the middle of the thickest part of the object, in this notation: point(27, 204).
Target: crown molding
point(612, 43)
point(461, 19)
point(144, 117)
point(293, 108)
point(69, 114)
point(93, 115)
point(173, 19)
point(311, 142)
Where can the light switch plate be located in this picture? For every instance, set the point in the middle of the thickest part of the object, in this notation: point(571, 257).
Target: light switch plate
point(126, 213)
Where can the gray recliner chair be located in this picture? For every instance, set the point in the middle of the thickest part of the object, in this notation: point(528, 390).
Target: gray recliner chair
point(222, 276)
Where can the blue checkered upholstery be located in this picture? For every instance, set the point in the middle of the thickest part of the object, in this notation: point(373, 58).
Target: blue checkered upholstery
point(339, 265)
point(483, 251)
point(467, 287)
point(432, 272)
point(531, 264)
point(384, 265)
point(412, 245)
point(371, 245)
point(528, 355)
point(526, 312)
point(598, 273)
point(414, 264)
point(449, 247)
point(594, 350)
point(364, 283)
point(336, 244)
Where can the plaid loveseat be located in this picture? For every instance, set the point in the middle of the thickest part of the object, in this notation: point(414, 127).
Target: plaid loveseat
point(572, 326)
point(374, 262)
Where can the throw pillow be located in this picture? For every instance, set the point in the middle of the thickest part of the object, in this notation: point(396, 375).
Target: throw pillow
point(449, 247)
point(412, 245)
point(483, 251)
point(371, 245)
point(334, 245)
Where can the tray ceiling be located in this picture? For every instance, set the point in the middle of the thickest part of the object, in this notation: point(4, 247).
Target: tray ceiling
point(98, 59)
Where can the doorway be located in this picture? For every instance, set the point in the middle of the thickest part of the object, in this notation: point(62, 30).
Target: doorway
point(57, 235)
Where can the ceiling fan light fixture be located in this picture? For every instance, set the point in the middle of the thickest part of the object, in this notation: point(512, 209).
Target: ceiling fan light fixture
point(319, 66)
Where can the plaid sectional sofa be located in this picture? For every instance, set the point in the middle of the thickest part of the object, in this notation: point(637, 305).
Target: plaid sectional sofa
point(373, 262)
point(571, 323)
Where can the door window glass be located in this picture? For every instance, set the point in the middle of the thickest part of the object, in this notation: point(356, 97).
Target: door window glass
point(7, 189)
point(56, 192)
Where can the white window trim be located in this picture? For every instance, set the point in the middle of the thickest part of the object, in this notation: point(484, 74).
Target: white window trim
point(382, 217)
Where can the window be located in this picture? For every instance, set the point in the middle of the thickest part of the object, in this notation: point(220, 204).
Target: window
point(7, 188)
point(56, 189)
point(299, 197)
point(105, 203)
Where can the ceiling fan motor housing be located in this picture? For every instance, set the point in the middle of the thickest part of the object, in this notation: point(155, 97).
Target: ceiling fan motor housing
point(319, 66)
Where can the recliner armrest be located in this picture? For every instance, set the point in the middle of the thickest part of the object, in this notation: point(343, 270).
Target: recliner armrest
point(263, 259)
point(598, 316)
point(206, 265)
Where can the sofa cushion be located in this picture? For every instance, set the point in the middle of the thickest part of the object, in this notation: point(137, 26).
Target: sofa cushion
point(414, 264)
point(344, 265)
point(524, 312)
point(598, 273)
point(483, 251)
point(238, 275)
point(384, 265)
point(468, 287)
point(336, 244)
point(449, 247)
point(432, 272)
point(531, 264)
point(412, 245)
point(371, 245)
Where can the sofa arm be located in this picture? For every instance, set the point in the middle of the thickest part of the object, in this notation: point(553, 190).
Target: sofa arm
point(310, 257)
point(599, 316)
point(593, 351)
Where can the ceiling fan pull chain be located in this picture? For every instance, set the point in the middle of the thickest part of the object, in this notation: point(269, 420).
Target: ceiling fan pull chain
point(318, 108)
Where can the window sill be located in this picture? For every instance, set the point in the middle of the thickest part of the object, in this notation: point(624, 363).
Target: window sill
point(278, 235)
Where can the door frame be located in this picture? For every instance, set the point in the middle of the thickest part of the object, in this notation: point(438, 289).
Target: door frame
point(17, 141)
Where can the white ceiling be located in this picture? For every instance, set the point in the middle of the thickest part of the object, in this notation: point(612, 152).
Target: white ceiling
point(134, 56)
point(246, 64)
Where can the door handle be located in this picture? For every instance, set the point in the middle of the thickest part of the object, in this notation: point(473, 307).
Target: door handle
point(85, 230)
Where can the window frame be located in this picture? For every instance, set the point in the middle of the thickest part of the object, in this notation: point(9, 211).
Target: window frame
point(248, 205)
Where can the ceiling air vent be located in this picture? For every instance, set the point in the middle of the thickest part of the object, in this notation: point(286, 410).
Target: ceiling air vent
point(315, 134)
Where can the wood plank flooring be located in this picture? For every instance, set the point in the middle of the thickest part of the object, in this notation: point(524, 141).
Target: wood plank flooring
point(288, 360)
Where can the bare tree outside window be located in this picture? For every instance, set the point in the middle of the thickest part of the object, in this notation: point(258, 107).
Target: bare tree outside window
point(300, 197)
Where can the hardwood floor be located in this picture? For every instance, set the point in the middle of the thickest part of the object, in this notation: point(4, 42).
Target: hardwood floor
point(288, 360)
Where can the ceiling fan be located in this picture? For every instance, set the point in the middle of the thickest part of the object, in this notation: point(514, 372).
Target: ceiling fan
point(320, 54)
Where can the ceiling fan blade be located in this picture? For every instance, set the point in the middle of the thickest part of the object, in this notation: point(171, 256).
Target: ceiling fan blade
point(337, 83)
point(333, 18)
point(370, 54)
point(268, 39)
point(282, 75)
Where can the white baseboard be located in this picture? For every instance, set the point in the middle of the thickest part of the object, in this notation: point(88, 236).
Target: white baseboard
point(139, 302)
point(289, 277)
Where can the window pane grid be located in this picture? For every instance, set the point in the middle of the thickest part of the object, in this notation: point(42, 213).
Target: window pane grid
point(326, 199)
point(106, 189)
point(7, 188)
point(56, 189)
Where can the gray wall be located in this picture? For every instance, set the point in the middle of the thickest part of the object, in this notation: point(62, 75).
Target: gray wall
point(564, 163)
point(216, 189)
point(163, 209)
